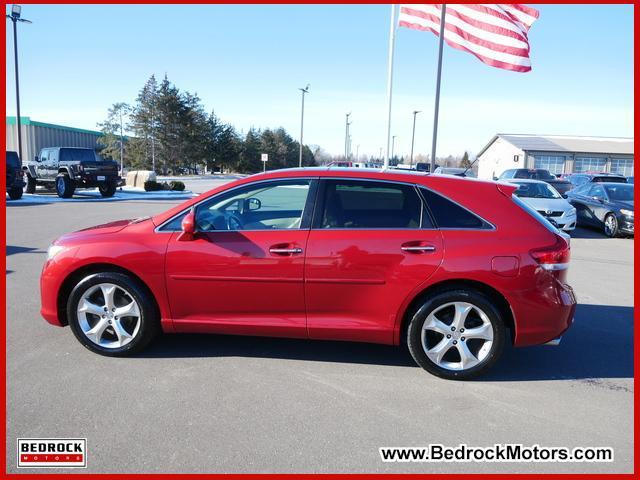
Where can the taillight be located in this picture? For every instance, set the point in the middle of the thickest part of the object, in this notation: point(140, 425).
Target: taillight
point(554, 257)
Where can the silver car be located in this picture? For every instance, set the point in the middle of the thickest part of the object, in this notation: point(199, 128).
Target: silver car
point(547, 201)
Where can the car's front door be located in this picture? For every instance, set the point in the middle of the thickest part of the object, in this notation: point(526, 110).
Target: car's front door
point(242, 272)
point(371, 244)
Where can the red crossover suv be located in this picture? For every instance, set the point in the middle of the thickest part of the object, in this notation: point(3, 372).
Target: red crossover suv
point(454, 267)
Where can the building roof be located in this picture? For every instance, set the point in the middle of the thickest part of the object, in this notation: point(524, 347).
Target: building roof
point(28, 121)
point(566, 143)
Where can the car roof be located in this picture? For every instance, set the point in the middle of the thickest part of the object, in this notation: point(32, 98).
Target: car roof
point(524, 180)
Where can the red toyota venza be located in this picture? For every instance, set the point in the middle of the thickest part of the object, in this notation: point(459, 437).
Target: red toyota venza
point(451, 267)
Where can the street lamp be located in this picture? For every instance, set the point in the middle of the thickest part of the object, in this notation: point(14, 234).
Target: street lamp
point(16, 10)
point(413, 136)
point(393, 143)
point(346, 136)
point(303, 90)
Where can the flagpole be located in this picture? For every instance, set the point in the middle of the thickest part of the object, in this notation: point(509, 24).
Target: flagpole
point(392, 40)
point(437, 103)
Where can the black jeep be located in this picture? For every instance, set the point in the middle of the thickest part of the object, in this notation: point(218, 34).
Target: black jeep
point(66, 168)
point(14, 176)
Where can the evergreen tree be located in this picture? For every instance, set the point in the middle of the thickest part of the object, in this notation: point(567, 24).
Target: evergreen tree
point(465, 162)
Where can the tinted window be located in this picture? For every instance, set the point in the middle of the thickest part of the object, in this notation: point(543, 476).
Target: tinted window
point(13, 160)
point(582, 189)
point(609, 179)
point(578, 179)
point(507, 174)
point(77, 155)
point(621, 193)
point(265, 206)
point(364, 204)
point(536, 190)
point(597, 191)
point(448, 214)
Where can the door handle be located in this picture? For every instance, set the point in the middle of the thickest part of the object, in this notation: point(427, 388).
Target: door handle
point(285, 251)
point(418, 248)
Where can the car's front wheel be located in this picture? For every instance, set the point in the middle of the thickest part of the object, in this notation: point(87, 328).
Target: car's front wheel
point(64, 186)
point(611, 225)
point(31, 184)
point(112, 314)
point(456, 334)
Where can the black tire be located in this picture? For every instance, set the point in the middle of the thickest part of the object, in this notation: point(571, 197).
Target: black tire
point(611, 227)
point(439, 299)
point(15, 193)
point(64, 186)
point(31, 185)
point(149, 315)
point(107, 189)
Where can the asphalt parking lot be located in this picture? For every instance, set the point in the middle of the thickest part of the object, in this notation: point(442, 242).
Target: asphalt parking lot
point(243, 404)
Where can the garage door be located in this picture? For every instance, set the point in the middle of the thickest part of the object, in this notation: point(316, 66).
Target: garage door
point(589, 164)
point(553, 163)
point(622, 166)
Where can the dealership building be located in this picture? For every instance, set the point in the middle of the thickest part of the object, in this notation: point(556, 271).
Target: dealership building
point(37, 135)
point(556, 153)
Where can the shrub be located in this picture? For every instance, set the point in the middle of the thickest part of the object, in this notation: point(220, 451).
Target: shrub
point(152, 186)
point(176, 185)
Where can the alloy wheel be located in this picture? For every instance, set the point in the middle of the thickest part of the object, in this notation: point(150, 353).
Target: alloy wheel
point(457, 336)
point(109, 315)
point(610, 225)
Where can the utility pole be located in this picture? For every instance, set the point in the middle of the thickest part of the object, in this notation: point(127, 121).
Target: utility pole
point(303, 90)
point(393, 144)
point(16, 10)
point(413, 136)
point(346, 136)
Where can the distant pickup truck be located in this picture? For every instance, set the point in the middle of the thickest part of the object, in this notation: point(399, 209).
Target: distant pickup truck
point(67, 168)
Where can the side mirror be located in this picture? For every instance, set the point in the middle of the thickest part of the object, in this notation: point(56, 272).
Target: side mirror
point(565, 196)
point(495, 179)
point(188, 227)
point(254, 204)
point(36, 158)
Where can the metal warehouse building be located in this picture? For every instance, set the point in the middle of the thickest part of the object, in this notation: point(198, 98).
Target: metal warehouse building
point(556, 153)
point(37, 135)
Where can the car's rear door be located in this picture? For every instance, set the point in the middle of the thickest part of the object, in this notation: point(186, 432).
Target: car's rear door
point(243, 270)
point(371, 244)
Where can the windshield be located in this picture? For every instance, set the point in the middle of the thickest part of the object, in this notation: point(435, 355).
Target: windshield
point(620, 193)
point(536, 190)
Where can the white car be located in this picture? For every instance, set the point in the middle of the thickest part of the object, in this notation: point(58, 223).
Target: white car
point(547, 201)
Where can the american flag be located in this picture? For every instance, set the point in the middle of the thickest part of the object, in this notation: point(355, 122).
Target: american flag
point(495, 33)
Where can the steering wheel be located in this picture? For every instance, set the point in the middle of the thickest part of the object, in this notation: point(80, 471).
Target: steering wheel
point(233, 221)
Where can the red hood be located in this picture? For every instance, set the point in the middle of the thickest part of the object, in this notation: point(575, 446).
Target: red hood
point(105, 228)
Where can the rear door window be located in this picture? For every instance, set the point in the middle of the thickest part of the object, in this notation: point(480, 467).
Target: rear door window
point(362, 204)
point(13, 160)
point(448, 214)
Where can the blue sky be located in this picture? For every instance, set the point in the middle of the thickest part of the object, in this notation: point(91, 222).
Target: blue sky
point(247, 62)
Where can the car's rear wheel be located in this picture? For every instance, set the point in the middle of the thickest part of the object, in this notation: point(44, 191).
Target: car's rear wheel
point(107, 189)
point(112, 314)
point(31, 184)
point(64, 186)
point(15, 193)
point(456, 334)
point(611, 225)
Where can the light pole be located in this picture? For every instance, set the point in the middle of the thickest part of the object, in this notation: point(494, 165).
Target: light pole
point(413, 136)
point(15, 18)
point(303, 90)
point(393, 144)
point(346, 136)
point(358, 153)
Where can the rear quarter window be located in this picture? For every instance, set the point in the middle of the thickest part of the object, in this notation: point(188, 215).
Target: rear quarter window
point(13, 160)
point(448, 214)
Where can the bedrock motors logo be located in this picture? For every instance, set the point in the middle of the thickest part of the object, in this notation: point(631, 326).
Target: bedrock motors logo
point(52, 452)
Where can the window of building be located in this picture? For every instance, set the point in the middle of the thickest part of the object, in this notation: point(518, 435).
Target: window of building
point(553, 163)
point(622, 166)
point(589, 164)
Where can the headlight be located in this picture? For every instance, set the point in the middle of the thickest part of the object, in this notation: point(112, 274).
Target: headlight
point(54, 250)
point(571, 212)
point(626, 213)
